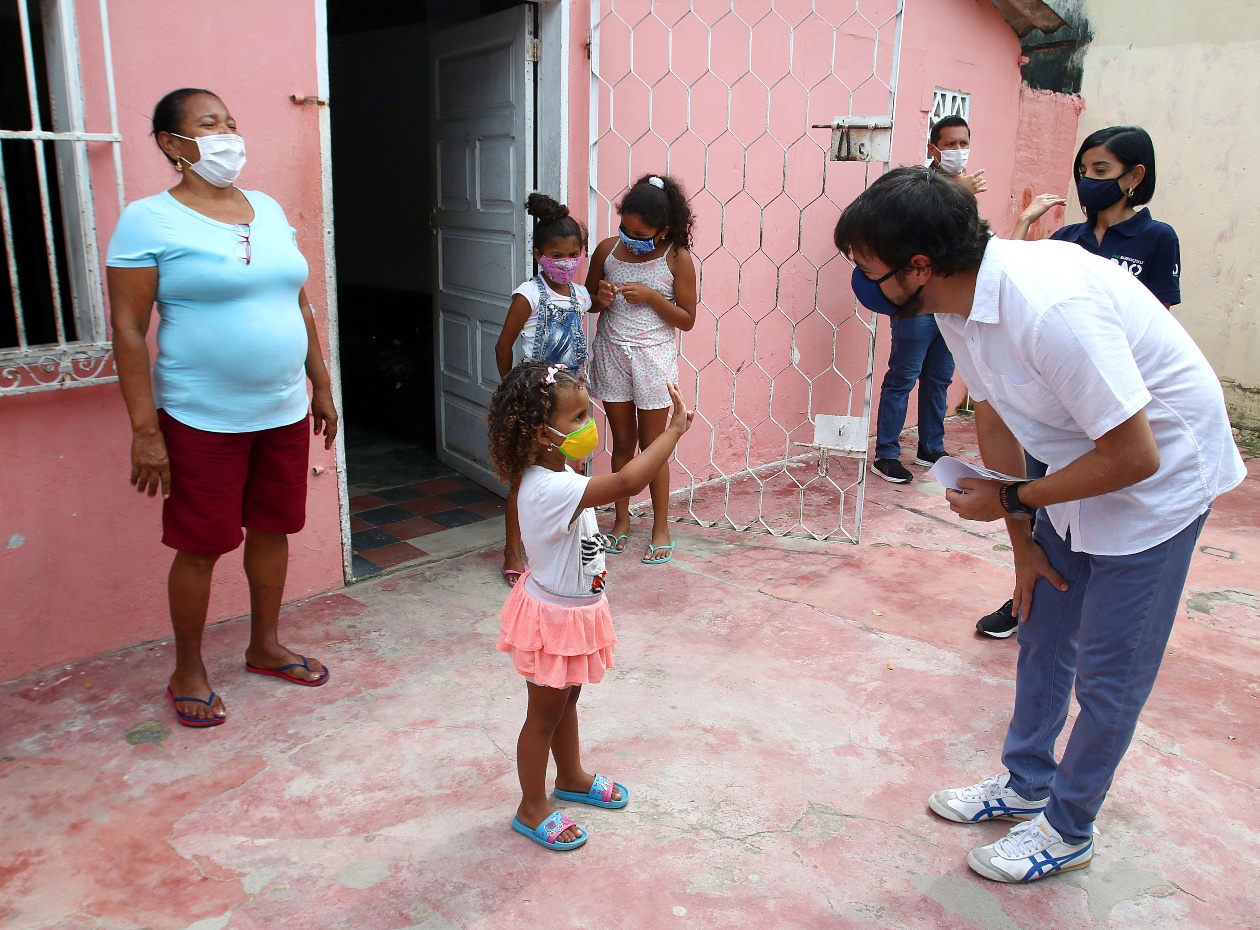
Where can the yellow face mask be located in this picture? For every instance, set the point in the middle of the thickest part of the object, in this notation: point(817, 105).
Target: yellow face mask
point(580, 443)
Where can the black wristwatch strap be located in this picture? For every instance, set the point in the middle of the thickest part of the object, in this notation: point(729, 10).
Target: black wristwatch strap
point(1008, 494)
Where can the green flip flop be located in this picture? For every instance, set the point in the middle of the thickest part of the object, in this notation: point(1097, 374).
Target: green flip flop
point(616, 547)
point(651, 558)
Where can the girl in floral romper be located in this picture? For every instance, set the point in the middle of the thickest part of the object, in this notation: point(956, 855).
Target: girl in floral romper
point(643, 285)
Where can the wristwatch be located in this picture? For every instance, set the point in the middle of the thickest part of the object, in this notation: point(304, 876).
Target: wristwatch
point(1008, 494)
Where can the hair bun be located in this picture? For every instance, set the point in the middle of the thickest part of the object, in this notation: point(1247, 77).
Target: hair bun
point(545, 209)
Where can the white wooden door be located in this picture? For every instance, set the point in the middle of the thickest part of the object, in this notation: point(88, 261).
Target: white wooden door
point(482, 120)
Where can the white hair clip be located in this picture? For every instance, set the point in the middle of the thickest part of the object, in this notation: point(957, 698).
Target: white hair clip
point(656, 182)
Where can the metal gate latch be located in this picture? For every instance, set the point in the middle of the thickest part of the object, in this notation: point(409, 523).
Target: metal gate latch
point(860, 138)
point(846, 436)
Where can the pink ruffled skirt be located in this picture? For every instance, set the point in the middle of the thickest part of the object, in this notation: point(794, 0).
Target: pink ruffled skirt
point(554, 644)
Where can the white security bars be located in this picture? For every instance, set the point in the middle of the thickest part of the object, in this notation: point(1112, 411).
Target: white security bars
point(722, 95)
point(56, 337)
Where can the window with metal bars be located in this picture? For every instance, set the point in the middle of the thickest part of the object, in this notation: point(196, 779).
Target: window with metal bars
point(52, 320)
point(949, 103)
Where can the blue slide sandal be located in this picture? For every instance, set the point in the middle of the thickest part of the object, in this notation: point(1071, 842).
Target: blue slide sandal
point(546, 832)
point(600, 794)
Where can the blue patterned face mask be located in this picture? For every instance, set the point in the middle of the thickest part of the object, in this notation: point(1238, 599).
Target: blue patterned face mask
point(636, 246)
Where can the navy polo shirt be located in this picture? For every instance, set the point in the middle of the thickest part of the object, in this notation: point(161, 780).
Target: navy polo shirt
point(1145, 247)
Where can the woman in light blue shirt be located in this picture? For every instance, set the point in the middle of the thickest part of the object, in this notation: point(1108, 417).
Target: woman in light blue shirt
point(220, 425)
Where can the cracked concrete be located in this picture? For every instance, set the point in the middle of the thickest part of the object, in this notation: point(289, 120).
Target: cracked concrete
point(780, 710)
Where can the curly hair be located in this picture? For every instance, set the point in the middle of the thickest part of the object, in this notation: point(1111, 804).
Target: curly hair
point(552, 221)
point(660, 207)
point(523, 402)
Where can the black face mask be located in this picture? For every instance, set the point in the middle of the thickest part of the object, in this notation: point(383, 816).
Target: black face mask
point(873, 298)
point(1097, 194)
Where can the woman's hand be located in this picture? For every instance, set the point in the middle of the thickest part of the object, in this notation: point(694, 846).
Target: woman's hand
point(636, 292)
point(324, 415)
point(1041, 204)
point(150, 466)
point(681, 418)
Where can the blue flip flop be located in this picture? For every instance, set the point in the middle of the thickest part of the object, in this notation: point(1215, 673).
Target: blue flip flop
point(194, 721)
point(651, 559)
point(610, 543)
point(546, 832)
point(600, 795)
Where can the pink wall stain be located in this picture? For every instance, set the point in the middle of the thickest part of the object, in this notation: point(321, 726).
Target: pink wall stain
point(90, 576)
point(1043, 163)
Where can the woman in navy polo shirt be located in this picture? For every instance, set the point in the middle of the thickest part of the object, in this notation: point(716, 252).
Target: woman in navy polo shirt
point(1115, 172)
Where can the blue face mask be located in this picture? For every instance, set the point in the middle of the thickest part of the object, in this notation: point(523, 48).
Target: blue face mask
point(1097, 194)
point(872, 296)
point(636, 246)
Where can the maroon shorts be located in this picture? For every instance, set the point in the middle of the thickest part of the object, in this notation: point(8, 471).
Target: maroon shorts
point(221, 482)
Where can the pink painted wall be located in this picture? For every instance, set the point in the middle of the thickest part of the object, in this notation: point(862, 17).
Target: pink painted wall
point(1043, 165)
point(959, 45)
point(734, 126)
point(89, 573)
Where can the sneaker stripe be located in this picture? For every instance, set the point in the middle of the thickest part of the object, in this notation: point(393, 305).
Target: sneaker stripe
point(1044, 864)
point(999, 808)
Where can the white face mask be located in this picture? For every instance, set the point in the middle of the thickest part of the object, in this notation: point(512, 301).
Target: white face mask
point(954, 161)
point(222, 158)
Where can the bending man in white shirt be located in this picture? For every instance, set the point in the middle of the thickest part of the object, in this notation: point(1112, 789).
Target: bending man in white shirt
point(1070, 357)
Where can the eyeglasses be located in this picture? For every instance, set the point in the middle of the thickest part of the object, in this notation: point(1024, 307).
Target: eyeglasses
point(243, 251)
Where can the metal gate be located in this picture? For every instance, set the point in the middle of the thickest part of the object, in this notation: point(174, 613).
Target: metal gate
point(733, 98)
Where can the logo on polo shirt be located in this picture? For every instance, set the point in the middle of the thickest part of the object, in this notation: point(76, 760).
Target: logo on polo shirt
point(1132, 265)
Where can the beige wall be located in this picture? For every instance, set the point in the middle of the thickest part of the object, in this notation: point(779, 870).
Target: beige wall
point(1188, 73)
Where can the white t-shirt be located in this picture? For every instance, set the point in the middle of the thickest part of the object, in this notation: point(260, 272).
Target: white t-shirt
point(566, 556)
point(1066, 346)
point(529, 290)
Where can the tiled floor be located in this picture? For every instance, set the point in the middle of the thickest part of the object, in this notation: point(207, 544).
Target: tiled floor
point(387, 527)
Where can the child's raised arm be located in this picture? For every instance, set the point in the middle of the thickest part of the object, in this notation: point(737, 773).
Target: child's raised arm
point(602, 293)
point(640, 470)
point(517, 316)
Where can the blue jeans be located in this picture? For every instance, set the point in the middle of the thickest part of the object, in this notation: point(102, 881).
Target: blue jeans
point(918, 354)
point(1108, 631)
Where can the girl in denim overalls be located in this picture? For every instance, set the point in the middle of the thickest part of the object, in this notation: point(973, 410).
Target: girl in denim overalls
point(544, 321)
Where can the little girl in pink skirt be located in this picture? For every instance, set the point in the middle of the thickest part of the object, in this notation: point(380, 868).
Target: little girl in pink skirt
point(556, 622)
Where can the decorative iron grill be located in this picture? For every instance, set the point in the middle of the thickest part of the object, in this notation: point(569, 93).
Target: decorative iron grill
point(721, 94)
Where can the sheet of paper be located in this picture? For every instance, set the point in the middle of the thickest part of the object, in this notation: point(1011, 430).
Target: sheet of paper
point(948, 470)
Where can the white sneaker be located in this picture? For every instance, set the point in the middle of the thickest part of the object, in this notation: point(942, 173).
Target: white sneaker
point(989, 800)
point(1030, 851)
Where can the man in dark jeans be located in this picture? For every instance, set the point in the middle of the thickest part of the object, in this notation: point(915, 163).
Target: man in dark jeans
point(918, 351)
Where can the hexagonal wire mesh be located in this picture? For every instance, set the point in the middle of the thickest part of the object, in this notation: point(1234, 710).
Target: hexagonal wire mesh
point(721, 95)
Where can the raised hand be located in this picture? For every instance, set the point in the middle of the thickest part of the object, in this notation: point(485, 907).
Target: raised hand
point(975, 182)
point(1040, 205)
point(681, 416)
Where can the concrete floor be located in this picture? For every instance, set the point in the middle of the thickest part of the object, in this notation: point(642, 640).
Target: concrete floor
point(780, 710)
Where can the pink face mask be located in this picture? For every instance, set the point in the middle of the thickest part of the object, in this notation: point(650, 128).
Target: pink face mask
point(560, 270)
